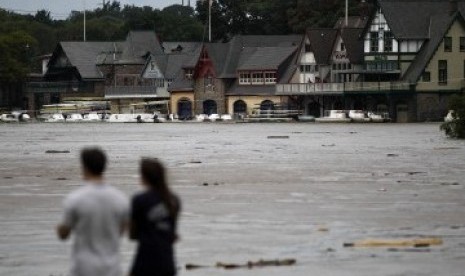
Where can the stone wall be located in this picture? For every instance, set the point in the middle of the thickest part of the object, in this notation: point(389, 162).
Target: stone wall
point(215, 92)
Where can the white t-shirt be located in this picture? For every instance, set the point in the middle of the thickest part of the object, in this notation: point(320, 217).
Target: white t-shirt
point(95, 213)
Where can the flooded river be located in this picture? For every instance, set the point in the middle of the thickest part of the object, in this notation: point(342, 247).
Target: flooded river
point(301, 196)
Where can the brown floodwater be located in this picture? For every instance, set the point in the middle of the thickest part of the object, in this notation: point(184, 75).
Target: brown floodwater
point(301, 196)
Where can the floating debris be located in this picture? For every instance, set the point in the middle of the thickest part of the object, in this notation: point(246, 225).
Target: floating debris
point(422, 242)
point(61, 178)
point(450, 184)
point(195, 162)
point(392, 155)
point(8, 177)
point(261, 263)
point(330, 145)
point(278, 137)
point(57, 151)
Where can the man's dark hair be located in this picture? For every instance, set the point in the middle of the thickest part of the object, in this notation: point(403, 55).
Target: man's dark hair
point(94, 160)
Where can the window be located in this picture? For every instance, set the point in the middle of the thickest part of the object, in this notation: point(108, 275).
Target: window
point(169, 81)
point(257, 78)
point(462, 44)
point(426, 77)
point(189, 73)
point(209, 82)
point(388, 41)
point(343, 47)
point(442, 71)
point(447, 44)
point(308, 49)
point(464, 69)
point(160, 83)
point(270, 77)
point(244, 78)
point(374, 46)
point(334, 66)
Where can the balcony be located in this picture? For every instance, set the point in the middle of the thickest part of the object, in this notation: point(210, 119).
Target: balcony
point(310, 89)
point(130, 92)
point(354, 87)
point(54, 87)
point(322, 89)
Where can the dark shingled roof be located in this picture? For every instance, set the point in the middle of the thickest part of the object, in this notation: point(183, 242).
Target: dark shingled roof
point(411, 19)
point(322, 42)
point(83, 56)
point(440, 24)
point(269, 58)
point(354, 22)
point(86, 56)
point(353, 43)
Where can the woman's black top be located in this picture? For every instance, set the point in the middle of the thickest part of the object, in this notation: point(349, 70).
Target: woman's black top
point(154, 227)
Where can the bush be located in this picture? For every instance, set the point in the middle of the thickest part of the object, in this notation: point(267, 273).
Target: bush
point(456, 127)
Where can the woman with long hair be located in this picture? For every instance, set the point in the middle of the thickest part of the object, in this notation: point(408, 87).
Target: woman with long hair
point(153, 222)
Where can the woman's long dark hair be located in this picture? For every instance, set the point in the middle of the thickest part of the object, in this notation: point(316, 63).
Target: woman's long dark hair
point(153, 173)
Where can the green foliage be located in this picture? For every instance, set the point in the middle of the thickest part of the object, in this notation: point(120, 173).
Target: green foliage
point(456, 127)
point(15, 55)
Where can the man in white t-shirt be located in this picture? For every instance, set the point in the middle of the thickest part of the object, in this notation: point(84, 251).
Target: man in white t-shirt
point(97, 214)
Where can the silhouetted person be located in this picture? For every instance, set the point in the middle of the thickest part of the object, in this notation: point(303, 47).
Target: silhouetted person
point(153, 223)
point(97, 214)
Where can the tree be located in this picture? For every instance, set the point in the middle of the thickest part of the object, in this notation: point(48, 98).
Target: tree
point(456, 127)
point(16, 51)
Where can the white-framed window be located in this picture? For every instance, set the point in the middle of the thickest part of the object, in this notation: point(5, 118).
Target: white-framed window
point(188, 73)
point(244, 78)
point(160, 83)
point(270, 77)
point(169, 81)
point(257, 78)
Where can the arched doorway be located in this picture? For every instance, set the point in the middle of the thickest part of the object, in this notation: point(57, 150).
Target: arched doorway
point(313, 109)
point(184, 109)
point(240, 107)
point(210, 107)
point(267, 105)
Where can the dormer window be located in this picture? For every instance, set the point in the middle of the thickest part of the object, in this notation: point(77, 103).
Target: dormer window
point(257, 78)
point(188, 74)
point(343, 47)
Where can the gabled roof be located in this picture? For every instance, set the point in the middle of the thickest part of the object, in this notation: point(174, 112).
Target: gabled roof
point(358, 22)
point(440, 24)
point(353, 43)
point(83, 56)
point(240, 42)
point(87, 56)
point(411, 19)
point(321, 43)
point(140, 43)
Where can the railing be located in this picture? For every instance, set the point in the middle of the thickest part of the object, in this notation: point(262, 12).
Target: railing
point(133, 92)
point(309, 88)
point(54, 87)
point(375, 86)
point(338, 88)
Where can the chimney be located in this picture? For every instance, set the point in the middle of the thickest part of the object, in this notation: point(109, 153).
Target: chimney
point(453, 7)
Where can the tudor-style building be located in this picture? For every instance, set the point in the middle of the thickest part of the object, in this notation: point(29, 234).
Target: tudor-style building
point(398, 63)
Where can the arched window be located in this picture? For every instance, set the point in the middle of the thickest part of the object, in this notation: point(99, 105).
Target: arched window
point(266, 105)
point(240, 107)
point(210, 107)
